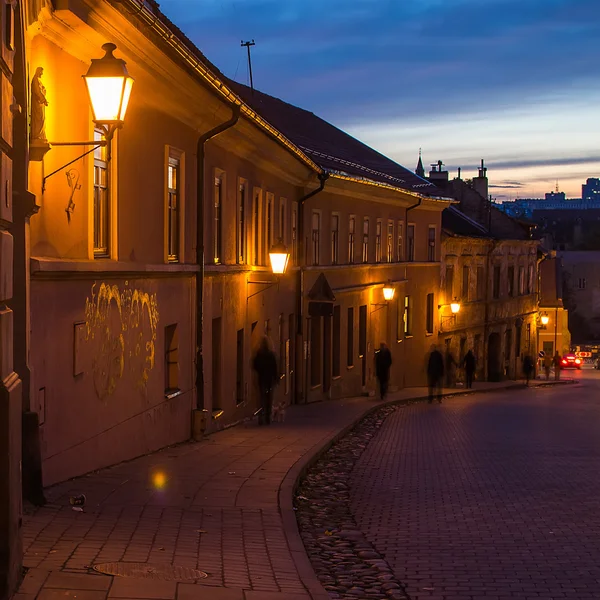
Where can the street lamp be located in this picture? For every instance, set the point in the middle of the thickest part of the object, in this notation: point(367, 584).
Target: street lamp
point(279, 257)
point(388, 291)
point(455, 306)
point(109, 86)
point(454, 309)
point(545, 319)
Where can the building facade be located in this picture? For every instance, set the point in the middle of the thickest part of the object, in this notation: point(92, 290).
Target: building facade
point(495, 282)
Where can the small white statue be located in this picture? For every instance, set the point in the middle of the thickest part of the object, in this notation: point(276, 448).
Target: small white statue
point(38, 107)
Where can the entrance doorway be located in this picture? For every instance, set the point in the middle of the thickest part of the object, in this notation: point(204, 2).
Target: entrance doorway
point(494, 363)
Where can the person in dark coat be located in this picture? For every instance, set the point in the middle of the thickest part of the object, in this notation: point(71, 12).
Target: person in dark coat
point(527, 367)
point(435, 374)
point(470, 363)
point(265, 365)
point(383, 362)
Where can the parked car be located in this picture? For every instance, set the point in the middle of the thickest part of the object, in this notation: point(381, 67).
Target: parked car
point(597, 363)
point(570, 361)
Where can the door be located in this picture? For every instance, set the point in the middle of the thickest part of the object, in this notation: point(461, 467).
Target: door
point(362, 341)
point(494, 364)
point(326, 354)
point(216, 364)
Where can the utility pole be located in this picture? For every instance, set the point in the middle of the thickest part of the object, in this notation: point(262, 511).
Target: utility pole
point(248, 44)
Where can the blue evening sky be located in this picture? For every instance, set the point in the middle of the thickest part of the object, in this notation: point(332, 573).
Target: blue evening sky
point(516, 82)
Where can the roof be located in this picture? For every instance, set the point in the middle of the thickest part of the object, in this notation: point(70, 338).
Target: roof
point(457, 223)
point(331, 148)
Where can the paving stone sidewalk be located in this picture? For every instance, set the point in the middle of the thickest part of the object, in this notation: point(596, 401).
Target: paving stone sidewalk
point(222, 506)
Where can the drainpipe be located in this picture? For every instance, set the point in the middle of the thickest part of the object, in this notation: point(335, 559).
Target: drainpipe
point(323, 177)
point(200, 156)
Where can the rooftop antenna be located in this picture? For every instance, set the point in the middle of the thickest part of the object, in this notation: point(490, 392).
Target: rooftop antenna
point(248, 44)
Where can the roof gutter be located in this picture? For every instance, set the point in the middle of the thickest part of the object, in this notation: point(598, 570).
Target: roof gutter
point(200, 259)
point(140, 9)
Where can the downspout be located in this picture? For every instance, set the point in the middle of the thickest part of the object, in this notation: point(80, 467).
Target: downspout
point(323, 177)
point(200, 156)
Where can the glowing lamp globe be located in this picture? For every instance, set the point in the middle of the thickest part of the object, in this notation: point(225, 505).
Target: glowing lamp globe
point(279, 258)
point(455, 307)
point(388, 292)
point(109, 87)
point(545, 319)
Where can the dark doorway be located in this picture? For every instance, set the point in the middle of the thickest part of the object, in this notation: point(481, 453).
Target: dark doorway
point(326, 354)
point(315, 351)
point(494, 362)
point(216, 364)
point(362, 341)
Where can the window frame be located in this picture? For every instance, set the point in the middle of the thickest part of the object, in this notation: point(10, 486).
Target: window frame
point(315, 236)
point(429, 316)
point(431, 244)
point(378, 241)
point(174, 158)
point(400, 241)
point(217, 229)
point(241, 223)
point(335, 238)
point(408, 316)
point(101, 160)
point(351, 239)
point(410, 242)
point(365, 240)
point(390, 241)
point(294, 232)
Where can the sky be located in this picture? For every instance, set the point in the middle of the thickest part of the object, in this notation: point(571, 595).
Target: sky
point(515, 82)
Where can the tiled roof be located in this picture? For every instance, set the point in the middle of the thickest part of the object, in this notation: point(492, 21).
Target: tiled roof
point(457, 223)
point(331, 148)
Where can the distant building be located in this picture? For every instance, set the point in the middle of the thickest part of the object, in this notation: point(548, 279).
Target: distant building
point(590, 190)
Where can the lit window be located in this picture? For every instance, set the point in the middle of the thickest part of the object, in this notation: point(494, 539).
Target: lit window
point(390, 242)
point(400, 257)
point(431, 245)
point(241, 225)
point(365, 248)
point(351, 232)
point(378, 250)
point(173, 208)
point(217, 224)
point(101, 198)
point(316, 232)
point(335, 233)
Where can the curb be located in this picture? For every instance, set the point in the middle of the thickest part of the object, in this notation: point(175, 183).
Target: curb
point(288, 486)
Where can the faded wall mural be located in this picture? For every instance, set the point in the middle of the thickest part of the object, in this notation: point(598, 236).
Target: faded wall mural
point(120, 327)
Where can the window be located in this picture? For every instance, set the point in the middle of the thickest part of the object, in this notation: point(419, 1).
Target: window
point(390, 242)
point(480, 283)
point(378, 249)
point(530, 279)
point(429, 320)
point(282, 235)
point(528, 334)
point(582, 283)
point(365, 248)
point(173, 202)
point(407, 316)
point(217, 225)
point(410, 243)
point(256, 227)
point(171, 359)
point(465, 283)
point(350, 338)
point(241, 225)
point(335, 363)
point(351, 232)
point(449, 284)
point(431, 244)
point(335, 239)
point(316, 232)
point(295, 233)
point(511, 281)
point(269, 222)
point(400, 256)
point(239, 367)
point(101, 198)
point(521, 281)
point(496, 283)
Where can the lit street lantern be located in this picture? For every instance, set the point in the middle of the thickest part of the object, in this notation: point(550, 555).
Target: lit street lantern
point(109, 87)
point(279, 257)
point(544, 319)
point(455, 306)
point(388, 292)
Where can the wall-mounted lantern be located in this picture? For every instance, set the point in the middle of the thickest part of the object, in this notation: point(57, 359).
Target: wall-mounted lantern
point(388, 291)
point(544, 319)
point(109, 88)
point(279, 257)
point(454, 309)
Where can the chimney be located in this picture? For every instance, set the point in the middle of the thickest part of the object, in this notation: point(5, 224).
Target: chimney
point(480, 183)
point(438, 176)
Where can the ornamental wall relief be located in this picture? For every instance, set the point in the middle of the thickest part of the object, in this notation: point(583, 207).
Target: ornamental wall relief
point(120, 327)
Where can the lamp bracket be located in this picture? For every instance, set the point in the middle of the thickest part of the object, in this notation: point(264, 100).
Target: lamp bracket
point(379, 306)
point(267, 284)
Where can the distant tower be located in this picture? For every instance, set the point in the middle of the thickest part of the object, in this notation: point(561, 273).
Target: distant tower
point(420, 171)
point(480, 183)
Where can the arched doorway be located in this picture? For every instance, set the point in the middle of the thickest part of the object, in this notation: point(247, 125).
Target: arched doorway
point(494, 364)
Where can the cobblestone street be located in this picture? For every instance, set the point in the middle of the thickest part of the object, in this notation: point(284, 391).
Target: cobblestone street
point(488, 499)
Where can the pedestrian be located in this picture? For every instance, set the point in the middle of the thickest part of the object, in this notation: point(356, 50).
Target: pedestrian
point(547, 365)
point(527, 367)
point(265, 365)
point(383, 362)
point(435, 374)
point(469, 363)
point(556, 360)
point(450, 368)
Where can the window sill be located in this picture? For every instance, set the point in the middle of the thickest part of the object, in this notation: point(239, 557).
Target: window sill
point(66, 267)
point(170, 394)
point(336, 377)
point(349, 367)
point(428, 334)
point(408, 337)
